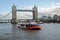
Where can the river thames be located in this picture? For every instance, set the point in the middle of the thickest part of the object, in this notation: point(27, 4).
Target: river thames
point(49, 31)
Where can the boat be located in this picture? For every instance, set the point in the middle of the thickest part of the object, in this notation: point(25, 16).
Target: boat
point(29, 26)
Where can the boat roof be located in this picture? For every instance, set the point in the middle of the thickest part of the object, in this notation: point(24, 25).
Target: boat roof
point(28, 24)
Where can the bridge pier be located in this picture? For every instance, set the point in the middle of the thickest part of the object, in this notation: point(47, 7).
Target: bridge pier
point(14, 16)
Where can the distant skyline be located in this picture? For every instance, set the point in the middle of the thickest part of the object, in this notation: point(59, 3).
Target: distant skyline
point(6, 5)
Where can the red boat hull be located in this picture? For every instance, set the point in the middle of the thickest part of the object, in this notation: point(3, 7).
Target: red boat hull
point(31, 28)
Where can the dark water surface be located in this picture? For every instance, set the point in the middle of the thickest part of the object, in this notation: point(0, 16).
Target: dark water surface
point(11, 32)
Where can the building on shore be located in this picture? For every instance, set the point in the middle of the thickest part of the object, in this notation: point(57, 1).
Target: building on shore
point(55, 18)
point(58, 18)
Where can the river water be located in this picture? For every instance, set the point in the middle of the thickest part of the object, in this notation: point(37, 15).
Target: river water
point(49, 31)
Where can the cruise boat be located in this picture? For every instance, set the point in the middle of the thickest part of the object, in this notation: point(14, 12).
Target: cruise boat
point(30, 26)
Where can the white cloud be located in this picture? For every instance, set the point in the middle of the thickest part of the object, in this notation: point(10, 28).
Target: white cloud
point(53, 9)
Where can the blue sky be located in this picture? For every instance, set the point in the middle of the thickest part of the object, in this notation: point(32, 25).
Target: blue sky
point(5, 5)
point(43, 6)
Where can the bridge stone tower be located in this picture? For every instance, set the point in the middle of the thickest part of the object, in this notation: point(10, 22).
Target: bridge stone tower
point(35, 13)
point(14, 16)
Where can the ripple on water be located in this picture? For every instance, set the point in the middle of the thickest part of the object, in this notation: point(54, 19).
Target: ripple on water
point(11, 32)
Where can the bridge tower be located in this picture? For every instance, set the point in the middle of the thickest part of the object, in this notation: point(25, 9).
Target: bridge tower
point(14, 16)
point(35, 13)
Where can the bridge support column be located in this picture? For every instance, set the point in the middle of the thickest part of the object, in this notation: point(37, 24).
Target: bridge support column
point(35, 13)
point(14, 16)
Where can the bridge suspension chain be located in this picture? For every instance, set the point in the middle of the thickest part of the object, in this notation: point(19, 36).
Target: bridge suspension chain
point(6, 15)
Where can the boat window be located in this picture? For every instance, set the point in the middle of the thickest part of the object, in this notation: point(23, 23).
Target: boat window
point(27, 25)
point(31, 25)
point(34, 25)
point(22, 24)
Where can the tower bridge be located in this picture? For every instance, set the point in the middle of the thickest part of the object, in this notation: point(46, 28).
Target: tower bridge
point(14, 13)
